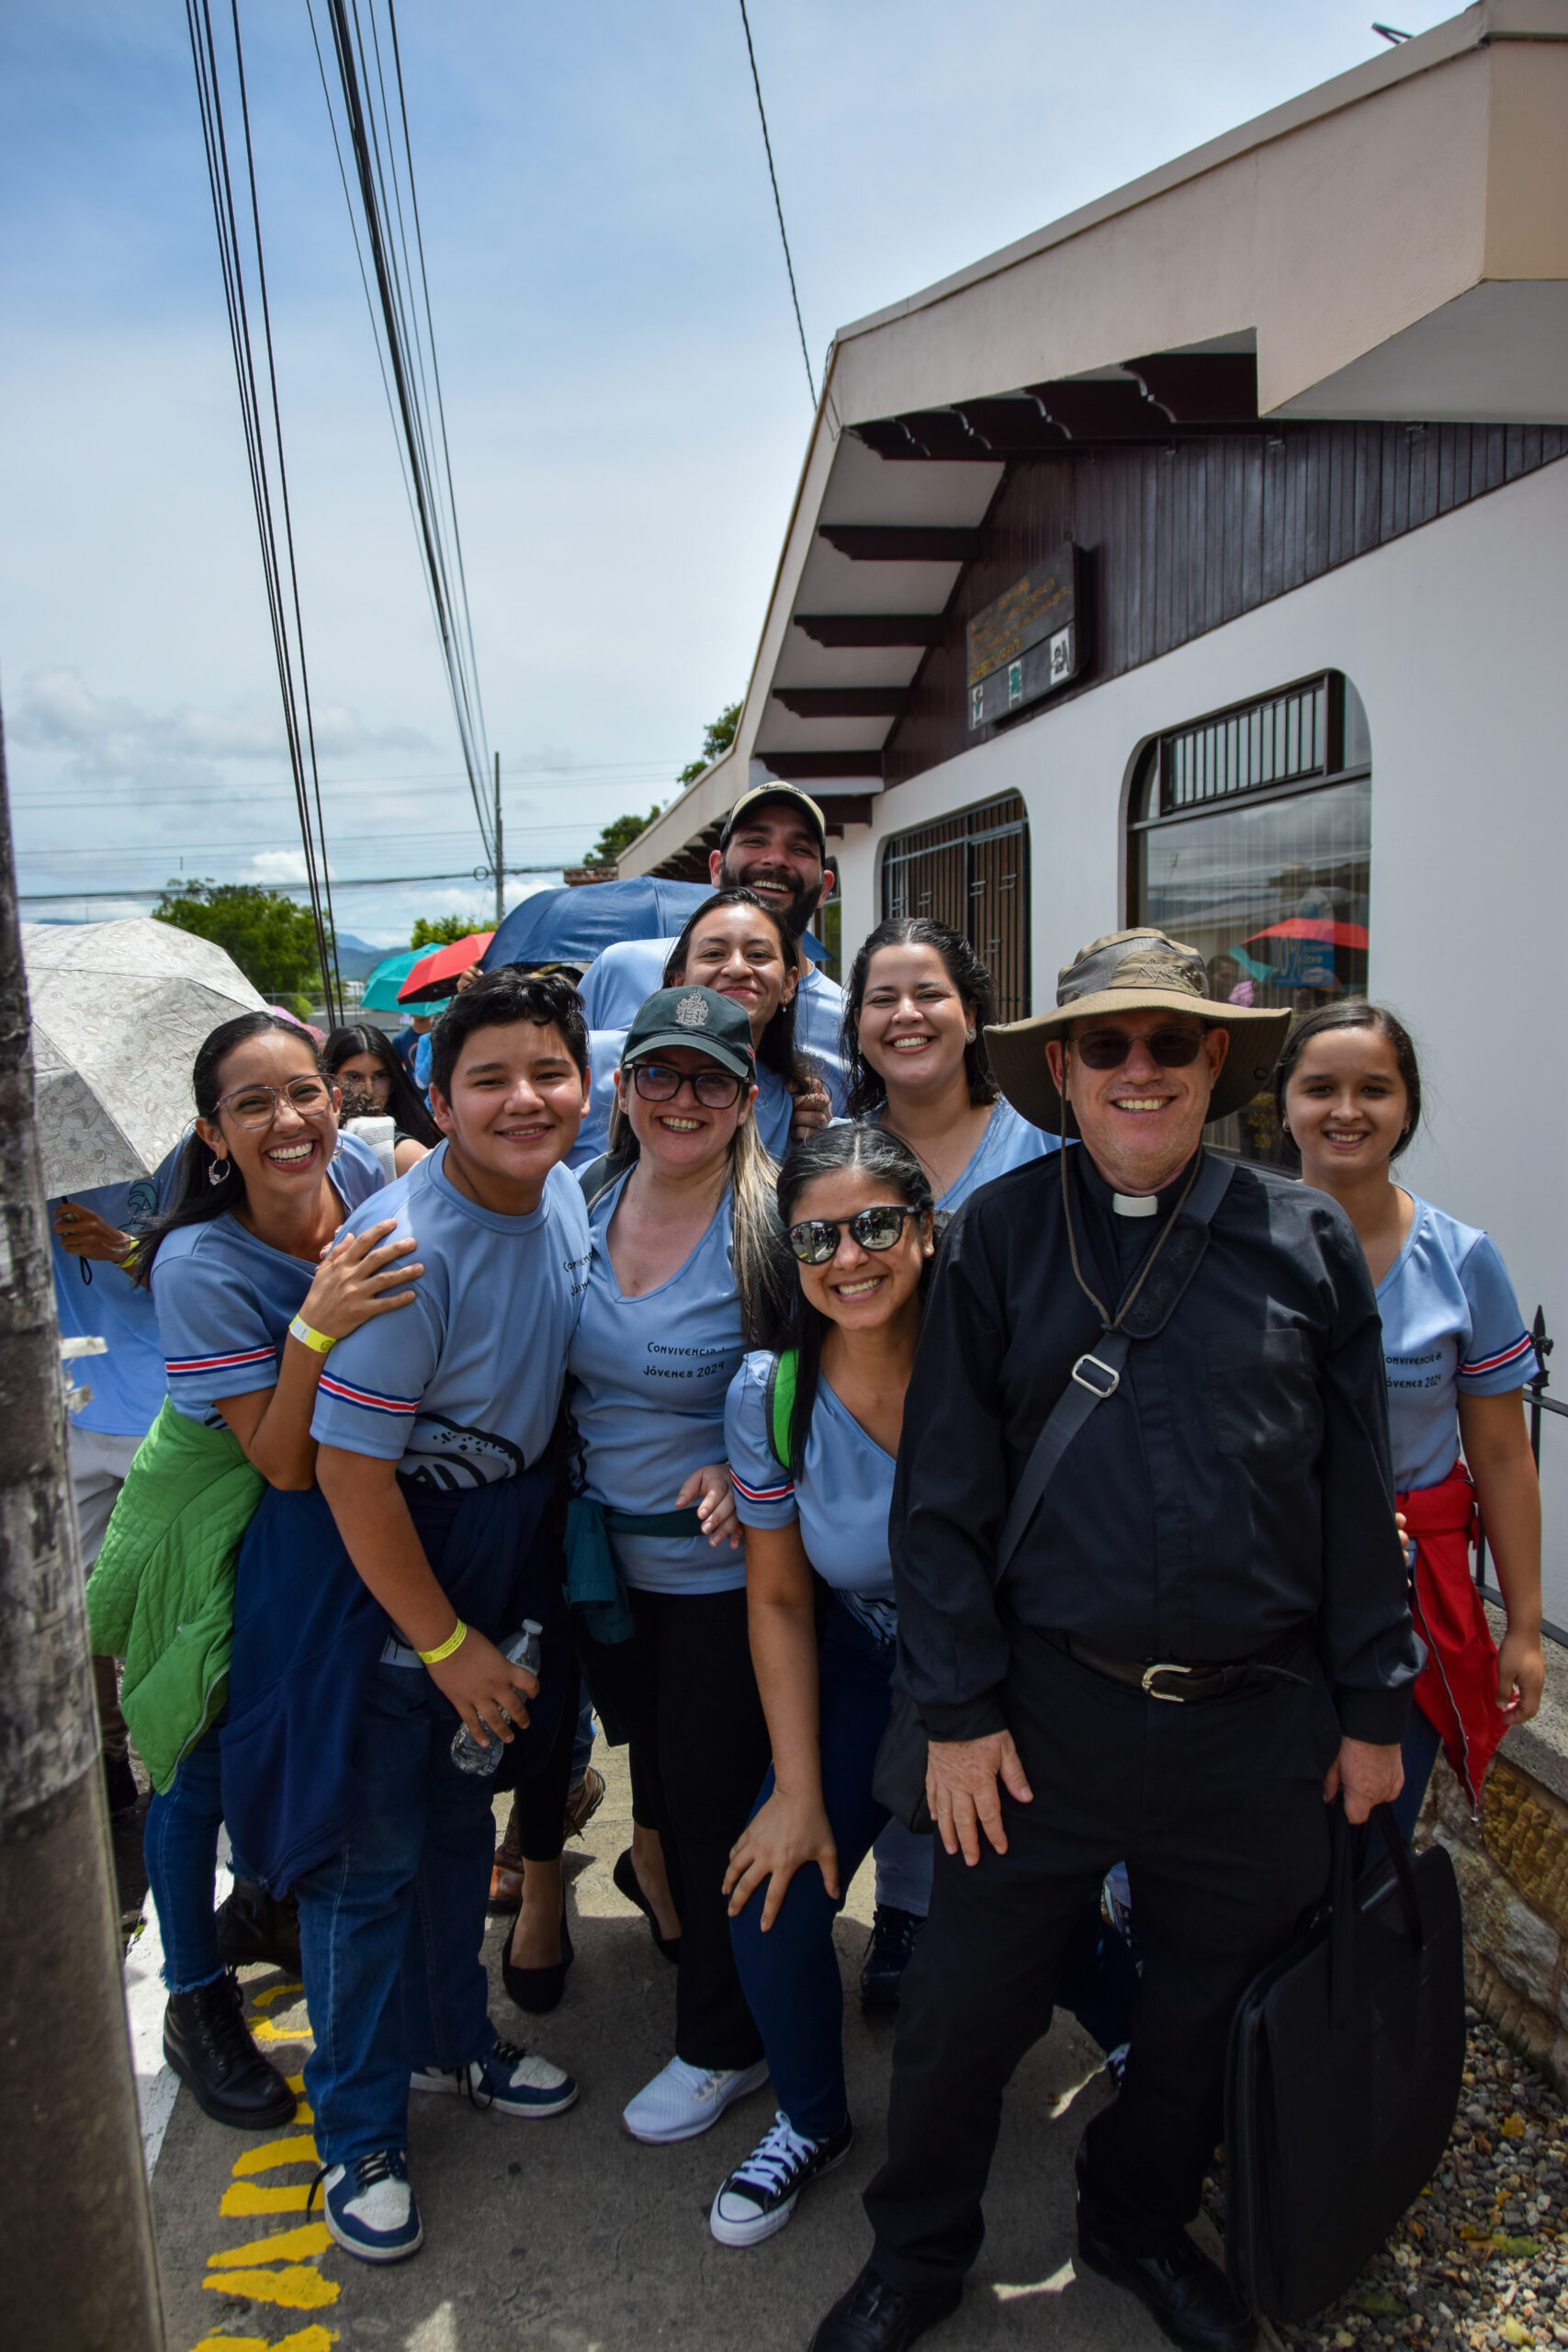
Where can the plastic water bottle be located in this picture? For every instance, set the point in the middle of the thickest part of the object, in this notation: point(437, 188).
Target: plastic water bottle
point(523, 1649)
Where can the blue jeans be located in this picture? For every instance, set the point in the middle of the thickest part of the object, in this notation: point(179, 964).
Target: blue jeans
point(390, 1926)
point(904, 1865)
point(1419, 1753)
point(790, 1975)
point(180, 1846)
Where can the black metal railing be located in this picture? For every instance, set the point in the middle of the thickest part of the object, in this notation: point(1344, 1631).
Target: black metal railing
point(1537, 1402)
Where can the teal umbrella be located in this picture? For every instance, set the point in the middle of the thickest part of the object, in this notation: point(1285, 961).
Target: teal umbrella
point(380, 991)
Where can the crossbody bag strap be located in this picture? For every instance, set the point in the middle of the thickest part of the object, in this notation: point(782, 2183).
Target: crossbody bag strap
point(1097, 1371)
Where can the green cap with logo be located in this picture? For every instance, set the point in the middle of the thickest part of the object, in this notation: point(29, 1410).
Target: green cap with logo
point(713, 1025)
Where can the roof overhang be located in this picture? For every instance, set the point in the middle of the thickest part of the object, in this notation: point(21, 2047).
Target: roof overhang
point(1392, 244)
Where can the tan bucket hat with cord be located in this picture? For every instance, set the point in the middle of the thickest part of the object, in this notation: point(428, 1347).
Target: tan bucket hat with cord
point(1133, 971)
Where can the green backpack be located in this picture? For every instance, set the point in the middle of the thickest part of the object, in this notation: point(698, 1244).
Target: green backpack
point(780, 1405)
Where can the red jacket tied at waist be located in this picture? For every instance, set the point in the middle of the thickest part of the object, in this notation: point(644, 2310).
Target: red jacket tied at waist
point(1458, 1687)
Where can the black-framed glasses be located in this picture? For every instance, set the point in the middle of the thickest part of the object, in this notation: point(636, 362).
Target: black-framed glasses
point(257, 1106)
point(1109, 1048)
point(714, 1089)
point(815, 1242)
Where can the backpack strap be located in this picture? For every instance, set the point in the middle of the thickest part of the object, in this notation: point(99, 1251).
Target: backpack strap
point(778, 1405)
point(598, 1175)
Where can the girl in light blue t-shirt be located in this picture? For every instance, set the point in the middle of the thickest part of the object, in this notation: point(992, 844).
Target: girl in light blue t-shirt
point(1348, 1092)
point(917, 1007)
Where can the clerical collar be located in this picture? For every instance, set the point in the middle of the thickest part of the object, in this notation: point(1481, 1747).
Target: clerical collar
point(1135, 1203)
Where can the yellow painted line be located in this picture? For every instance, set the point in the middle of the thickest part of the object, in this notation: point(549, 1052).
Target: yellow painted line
point(272, 2152)
point(264, 1999)
point(263, 2030)
point(302, 2113)
point(285, 2246)
point(305, 2339)
point(299, 2286)
point(246, 2197)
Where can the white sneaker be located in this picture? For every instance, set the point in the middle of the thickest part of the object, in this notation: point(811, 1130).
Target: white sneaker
point(760, 2195)
point(508, 2078)
point(683, 2100)
point(370, 2207)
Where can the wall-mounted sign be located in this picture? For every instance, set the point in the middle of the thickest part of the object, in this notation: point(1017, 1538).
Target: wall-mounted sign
point(1026, 644)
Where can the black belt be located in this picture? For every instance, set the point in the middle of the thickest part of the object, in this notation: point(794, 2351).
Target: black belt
point(1155, 1676)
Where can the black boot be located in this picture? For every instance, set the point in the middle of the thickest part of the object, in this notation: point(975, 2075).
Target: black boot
point(894, 1936)
point(207, 2043)
point(253, 1926)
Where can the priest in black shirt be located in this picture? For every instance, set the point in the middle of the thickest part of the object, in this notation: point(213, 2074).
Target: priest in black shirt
point(1225, 1517)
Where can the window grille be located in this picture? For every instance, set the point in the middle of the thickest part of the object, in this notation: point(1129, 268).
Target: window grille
point(971, 872)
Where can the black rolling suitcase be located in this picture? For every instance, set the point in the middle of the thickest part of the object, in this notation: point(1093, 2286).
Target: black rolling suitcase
point(1344, 2077)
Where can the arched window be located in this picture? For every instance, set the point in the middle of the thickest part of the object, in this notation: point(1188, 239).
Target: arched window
point(971, 872)
point(1250, 838)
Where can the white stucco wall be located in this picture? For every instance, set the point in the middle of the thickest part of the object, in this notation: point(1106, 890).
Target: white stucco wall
point(1456, 639)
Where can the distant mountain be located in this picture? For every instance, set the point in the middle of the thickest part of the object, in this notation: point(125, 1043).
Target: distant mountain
point(356, 959)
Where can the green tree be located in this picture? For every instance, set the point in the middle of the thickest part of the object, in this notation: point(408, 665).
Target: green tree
point(270, 936)
point(618, 836)
point(717, 737)
point(442, 930)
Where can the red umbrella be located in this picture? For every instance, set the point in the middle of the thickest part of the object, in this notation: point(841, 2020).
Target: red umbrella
point(435, 975)
point(1332, 934)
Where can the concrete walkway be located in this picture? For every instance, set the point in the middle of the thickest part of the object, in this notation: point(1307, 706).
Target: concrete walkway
point(566, 2237)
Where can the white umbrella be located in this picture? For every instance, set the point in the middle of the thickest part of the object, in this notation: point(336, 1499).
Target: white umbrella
point(119, 1010)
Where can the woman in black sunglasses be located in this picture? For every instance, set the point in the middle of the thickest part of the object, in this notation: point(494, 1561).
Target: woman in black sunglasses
point(812, 1431)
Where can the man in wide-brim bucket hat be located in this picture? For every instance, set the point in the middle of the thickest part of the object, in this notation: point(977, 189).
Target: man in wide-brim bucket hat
point(1127, 972)
point(1152, 1610)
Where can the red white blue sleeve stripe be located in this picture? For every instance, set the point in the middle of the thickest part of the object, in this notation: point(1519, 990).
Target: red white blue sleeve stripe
point(370, 1400)
point(762, 1494)
point(1523, 1346)
point(182, 1367)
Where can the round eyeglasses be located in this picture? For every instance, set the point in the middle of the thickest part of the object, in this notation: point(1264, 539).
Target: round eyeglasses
point(816, 1241)
point(715, 1090)
point(257, 1106)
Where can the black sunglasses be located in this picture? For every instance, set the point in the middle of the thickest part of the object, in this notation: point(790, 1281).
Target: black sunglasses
point(1108, 1048)
point(815, 1242)
point(715, 1090)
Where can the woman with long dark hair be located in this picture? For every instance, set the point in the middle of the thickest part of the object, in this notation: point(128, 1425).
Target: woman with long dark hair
point(916, 1011)
point(373, 1080)
point(250, 1291)
point(1347, 1088)
point(812, 1427)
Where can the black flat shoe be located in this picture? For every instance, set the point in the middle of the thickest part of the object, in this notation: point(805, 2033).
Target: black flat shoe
point(1190, 2297)
point(875, 2317)
point(255, 1927)
point(539, 1990)
point(627, 1882)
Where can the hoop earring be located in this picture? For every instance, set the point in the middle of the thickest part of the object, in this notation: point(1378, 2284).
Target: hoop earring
point(219, 1172)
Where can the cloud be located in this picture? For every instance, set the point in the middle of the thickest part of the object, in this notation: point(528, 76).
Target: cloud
point(109, 737)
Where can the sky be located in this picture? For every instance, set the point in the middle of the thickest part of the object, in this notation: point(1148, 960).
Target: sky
point(626, 401)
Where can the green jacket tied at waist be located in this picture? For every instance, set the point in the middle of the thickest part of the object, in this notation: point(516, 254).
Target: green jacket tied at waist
point(161, 1595)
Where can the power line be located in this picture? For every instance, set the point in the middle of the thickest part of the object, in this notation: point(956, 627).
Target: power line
point(344, 882)
point(263, 427)
point(778, 205)
point(404, 333)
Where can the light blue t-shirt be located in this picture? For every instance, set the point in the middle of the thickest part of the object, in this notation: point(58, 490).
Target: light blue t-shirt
point(651, 1373)
point(225, 1300)
point(772, 1110)
point(127, 1382)
point(1451, 1327)
point(840, 1500)
point(627, 972)
point(1009, 1141)
point(461, 1387)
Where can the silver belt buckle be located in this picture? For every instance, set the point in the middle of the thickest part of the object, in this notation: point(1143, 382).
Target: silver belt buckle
point(1114, 1377)
point(1175, 1698)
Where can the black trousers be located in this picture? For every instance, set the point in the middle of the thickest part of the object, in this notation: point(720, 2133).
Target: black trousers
point(1217, 1809)
point(541, 1801)
point(682, 1691)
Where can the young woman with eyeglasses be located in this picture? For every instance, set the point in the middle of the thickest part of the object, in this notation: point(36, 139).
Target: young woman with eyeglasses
point(371, 1079)
point(916, 1010)
point(684, 1261)
point(812, 1426)
point(245, 1280)
point(1347, 1088)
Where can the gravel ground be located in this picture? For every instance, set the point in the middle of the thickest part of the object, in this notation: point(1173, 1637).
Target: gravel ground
point(1482, 2258)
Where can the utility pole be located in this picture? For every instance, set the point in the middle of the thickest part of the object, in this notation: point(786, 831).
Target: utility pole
point(80, 2270)
point(500, 864)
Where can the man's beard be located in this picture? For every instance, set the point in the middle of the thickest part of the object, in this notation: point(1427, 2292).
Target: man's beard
point(803, 900)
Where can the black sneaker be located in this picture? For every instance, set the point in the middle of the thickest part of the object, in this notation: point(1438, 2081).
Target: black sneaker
point(759, 2197)
point(894, 1936)
point(207, 2043)
point(873, 2316)
point(254, 1927)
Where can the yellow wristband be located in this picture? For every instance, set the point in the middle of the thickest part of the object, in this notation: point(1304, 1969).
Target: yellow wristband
point(299, 1330)
point(434, 1658)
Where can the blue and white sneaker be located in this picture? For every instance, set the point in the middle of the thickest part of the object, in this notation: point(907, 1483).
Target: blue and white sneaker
point(369, 2206)
point(759, 2197)
point(507, 2078)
